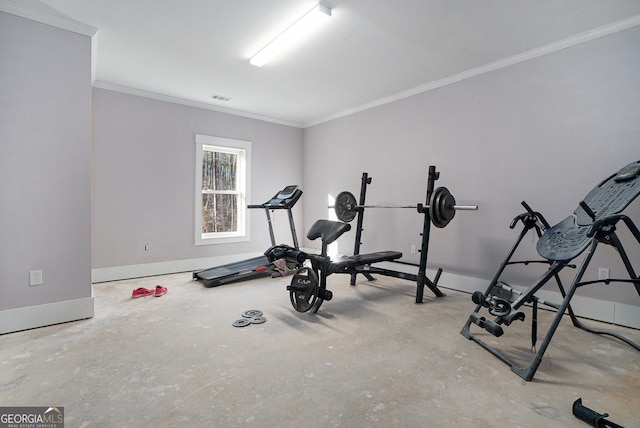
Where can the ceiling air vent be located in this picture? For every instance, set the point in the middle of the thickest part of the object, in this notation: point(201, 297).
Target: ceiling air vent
point(217, 97)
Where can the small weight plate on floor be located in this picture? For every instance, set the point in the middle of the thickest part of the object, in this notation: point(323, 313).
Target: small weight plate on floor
point(243, 322)
point(252, 313)
point(257, 320)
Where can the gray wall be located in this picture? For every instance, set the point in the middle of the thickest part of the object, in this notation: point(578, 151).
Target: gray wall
point(45, 135)
point(143, 187)
point(545, 131)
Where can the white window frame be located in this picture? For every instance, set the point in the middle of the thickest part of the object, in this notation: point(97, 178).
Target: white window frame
point(243, 150)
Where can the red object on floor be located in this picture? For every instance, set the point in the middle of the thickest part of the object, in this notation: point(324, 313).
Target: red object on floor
point(160, 291)
point(141, 292)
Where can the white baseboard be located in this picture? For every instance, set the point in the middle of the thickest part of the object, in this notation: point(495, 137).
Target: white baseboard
point(117, 273)
point(585, 307)
point(28, 317)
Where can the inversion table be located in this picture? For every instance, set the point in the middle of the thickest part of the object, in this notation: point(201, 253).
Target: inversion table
point(592, 223)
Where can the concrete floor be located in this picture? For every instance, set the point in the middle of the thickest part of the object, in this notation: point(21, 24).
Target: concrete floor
point(370, 357)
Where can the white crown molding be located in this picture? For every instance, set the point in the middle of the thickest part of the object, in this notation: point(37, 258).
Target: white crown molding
point(182, 101)
point(506, 62)
point(16, 8)
point(60, 21)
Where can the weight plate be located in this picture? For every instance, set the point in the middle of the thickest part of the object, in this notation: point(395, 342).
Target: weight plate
point(242, 322)
point(438, 206)
point(434, 209)
point(439, 203)
point(258, 320)
point(447, 212)
point(432, 206)
point(252, 313)
point(303, 291)
point(346, 206)
point(441, 207)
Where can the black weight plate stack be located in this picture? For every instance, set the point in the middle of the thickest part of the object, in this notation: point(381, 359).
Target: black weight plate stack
point(303, 290)
point(346, 207)
point(441, 205)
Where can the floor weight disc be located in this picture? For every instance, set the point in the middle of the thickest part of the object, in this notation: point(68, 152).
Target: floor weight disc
point(257, 320)
point(252, 313)
point(243, 322)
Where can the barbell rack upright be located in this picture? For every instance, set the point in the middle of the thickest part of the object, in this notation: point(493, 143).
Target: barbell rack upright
point(421, 279)
point(358, 241)
point(424, 249)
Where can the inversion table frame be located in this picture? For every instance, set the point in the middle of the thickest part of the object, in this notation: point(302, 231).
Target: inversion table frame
point(593, 223)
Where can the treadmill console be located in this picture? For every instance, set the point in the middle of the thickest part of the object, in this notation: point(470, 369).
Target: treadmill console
point(287, 192)
point(284, 199)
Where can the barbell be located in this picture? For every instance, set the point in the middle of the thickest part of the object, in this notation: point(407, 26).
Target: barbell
point(442, 207)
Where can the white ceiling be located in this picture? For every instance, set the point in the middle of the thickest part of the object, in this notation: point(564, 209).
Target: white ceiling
point(370, 51)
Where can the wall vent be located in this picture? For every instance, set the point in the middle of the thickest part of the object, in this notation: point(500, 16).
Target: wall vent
point(218, 97)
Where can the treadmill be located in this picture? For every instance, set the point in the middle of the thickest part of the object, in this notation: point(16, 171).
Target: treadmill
point(257, 266)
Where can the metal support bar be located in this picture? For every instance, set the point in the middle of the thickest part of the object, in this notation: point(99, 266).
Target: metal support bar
point(365, 180)
point(606, 234)
point(294, 235)
point(271, 235)
point(421, 278)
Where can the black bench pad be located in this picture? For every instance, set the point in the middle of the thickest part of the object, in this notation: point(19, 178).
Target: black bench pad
point(328, 230)
point(343, 265)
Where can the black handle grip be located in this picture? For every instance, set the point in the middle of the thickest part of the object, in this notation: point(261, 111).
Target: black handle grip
point(592, 417)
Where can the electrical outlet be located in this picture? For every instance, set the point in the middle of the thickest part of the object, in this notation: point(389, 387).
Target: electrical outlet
point(413, 249)
point(146, 247)
point(603, 273)
point(35, 277)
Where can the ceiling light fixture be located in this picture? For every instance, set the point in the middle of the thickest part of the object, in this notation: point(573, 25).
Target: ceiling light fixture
point(304, 25)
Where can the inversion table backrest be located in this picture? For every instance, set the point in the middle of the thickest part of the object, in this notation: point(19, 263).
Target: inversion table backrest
point(568, 239)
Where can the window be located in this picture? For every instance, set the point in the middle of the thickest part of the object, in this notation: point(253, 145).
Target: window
point(222, 176)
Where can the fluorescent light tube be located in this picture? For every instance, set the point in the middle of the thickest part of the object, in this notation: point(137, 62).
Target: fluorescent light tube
point(292, 34)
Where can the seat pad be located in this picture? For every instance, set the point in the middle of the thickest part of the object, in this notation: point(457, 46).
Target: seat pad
point(347, 263)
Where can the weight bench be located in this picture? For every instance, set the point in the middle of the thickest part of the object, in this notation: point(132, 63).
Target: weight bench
point(308, 289)
point(329, 231)
point(592, 223)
